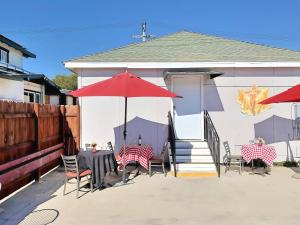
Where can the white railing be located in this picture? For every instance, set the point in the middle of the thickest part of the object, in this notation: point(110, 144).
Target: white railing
point(13, 67)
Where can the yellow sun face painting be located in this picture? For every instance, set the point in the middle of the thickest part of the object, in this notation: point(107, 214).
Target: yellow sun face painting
point(249, 99)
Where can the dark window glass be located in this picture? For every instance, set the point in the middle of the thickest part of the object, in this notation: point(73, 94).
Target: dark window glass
point(31, 97)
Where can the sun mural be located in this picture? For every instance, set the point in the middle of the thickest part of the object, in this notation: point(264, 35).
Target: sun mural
point(249, 99)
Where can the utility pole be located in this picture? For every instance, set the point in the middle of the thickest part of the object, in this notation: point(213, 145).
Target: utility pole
point(144, 36)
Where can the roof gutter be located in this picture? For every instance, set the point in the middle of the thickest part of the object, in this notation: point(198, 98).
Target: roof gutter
point(173, 65)
point(11, 77)
point(201, 72)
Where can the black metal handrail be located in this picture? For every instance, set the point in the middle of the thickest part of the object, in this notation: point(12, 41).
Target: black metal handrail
point(213, 140)
point(172, 141)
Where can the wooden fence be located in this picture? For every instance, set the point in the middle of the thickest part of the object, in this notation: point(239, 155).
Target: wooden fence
point(32, 137)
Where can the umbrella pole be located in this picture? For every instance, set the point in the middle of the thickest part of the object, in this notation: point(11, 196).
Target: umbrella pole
point(124, 145)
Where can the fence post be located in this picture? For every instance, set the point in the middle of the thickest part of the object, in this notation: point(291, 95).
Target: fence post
point(37, 138)
point(63, 126)
point(78, 129)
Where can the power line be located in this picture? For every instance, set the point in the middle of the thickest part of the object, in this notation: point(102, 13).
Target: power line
point(144, 36)
point(68, 29)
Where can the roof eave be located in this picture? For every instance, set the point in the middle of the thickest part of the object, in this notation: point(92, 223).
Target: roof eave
point(28, 54)
point(40, 78)
point(172, 65)
point(17, 46)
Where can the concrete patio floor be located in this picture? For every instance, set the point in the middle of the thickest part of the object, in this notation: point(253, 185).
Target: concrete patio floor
point(232, 199)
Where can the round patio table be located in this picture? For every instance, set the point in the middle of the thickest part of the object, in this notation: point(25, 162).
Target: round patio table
point(100, 162)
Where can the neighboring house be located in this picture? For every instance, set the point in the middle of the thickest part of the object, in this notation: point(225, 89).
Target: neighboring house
point(225, 77)
point(17, 84)
point(40, 89)
point(11, 64)
point(67, 98)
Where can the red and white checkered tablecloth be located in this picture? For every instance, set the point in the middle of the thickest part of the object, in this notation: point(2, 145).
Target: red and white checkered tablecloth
point(266, 153)
point(138, 153)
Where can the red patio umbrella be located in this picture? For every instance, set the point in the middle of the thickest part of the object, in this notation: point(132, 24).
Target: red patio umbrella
point(290, 95)
point(125, 85)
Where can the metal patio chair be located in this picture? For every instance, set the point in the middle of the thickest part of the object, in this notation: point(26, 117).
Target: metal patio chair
point(110, 146)
point(72, 172)
point(158, 161)
point(117, 157)
point(88, 147)
point(230, 160)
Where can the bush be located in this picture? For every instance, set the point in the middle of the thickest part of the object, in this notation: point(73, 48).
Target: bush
point(291, 164)
point(286, 164)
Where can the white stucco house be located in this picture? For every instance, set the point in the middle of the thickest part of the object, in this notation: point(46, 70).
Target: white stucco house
point(224, 77)
point(20, 85)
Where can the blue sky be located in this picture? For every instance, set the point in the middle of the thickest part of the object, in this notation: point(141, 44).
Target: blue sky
point(57, 30)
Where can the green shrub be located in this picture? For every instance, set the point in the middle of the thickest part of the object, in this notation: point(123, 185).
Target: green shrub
point(290, 164)
point(287, 164)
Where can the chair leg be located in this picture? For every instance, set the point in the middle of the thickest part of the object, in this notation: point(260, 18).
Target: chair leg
point(149, 170)
point(65, 185)
point(163, 167)
point(77, 190)
point(91, 183)
point(243, 166)
point(227, 167)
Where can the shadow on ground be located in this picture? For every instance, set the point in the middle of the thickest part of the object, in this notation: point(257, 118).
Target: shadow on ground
point(21, 207)
point(24, 202)
point(40, 217)
point(296, 170)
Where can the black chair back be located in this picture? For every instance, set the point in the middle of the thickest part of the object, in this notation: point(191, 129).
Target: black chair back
point(227, 148)
point(110, 146)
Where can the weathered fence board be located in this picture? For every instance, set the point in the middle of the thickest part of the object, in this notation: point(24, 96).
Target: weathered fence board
point(71, 129)
point(32, 137)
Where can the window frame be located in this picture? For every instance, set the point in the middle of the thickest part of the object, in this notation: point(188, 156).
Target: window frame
point(35, 93)
point(7, 54)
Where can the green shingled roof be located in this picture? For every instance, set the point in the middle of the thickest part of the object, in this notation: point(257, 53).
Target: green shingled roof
point(193, 47)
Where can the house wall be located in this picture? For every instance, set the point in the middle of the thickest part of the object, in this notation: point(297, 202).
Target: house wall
point(237, 127)
point(103, 116)
point(69, 100)
point(15, 56)
point(11, 90)
point(30, 86)
point(54, 99)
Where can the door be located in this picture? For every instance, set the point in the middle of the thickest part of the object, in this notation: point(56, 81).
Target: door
point(187, 111)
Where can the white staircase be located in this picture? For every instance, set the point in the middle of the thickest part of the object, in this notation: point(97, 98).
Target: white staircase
point(193, 159)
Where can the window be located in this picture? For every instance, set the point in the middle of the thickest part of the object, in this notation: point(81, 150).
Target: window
point(37, 98)
point(3, 55)
point(33, 97)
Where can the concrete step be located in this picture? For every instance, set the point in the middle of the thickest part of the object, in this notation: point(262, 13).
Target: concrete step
point(192, 151)
point(194, 174)
point(194, 158)
point(203, 167)
point(185, 144)
point(190, 140)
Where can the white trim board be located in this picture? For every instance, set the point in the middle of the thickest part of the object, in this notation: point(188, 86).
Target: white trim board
point(166, 65)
